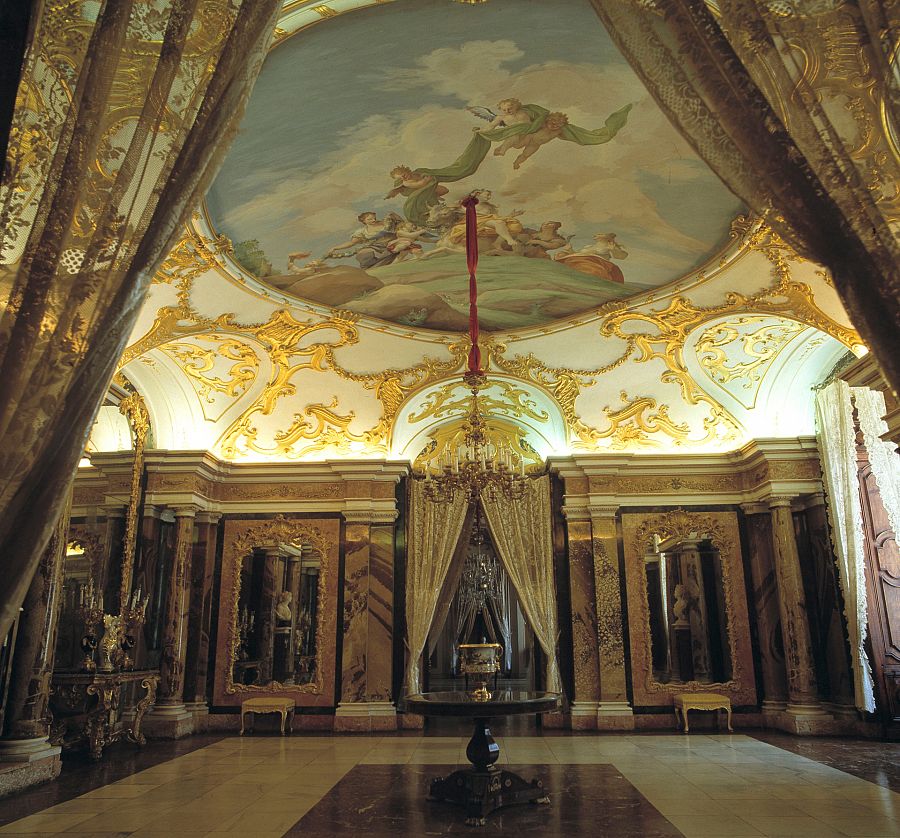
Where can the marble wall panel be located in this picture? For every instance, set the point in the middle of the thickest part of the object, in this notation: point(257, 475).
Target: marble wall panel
point(356, 611)
point(584, 611)
point(381, 613)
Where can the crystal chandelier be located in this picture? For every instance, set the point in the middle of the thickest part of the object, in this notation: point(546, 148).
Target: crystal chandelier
point(480, 582)
point(478, 467)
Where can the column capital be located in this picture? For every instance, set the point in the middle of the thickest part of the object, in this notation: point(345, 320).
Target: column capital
point(812, 500)
point(576, 513)
point(369, 516)
point(114, 510)
point(780, 501)
point(187, 511)
point(603, 511)
point(207, 517)
point(755, 508)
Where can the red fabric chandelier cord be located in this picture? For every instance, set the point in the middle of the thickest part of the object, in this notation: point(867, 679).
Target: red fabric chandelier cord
point(469, 203)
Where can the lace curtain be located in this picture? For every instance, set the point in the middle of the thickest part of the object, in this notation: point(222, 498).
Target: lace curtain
point(124, 112)
point(434, 535)
point(794, 105)
point(837, 446)
point(883, 457)
point(521, 532)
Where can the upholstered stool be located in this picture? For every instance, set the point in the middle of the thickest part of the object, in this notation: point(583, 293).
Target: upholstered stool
point(284, 706)
point(701, 701)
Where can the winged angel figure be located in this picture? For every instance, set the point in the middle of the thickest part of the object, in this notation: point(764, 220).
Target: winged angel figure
point(525, 127)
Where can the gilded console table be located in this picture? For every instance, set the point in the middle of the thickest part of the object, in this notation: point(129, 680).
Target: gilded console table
point(87, 707)
point(701, 701)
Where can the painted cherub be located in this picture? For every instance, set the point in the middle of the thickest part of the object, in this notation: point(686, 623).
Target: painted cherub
point(406, 181)
point(552, 128)
point(511, 113)
point(405, 243)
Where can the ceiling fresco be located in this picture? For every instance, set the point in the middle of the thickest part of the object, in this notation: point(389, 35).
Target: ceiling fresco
point(366, 130)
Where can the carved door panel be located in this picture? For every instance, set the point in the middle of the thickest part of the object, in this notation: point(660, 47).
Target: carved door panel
point(883, 589)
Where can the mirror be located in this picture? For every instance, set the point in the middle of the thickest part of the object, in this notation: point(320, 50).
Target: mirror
point(686, 606)
point(278, 603)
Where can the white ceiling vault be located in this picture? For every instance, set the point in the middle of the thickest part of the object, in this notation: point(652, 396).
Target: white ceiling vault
point(229, 364)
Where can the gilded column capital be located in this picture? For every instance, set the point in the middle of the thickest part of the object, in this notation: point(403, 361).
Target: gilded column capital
point(777, 501)
point(603, 511)
point(576, 512)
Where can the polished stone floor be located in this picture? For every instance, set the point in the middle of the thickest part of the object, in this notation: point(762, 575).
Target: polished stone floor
point(613, 785)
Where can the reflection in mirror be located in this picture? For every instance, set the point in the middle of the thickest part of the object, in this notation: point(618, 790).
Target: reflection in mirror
point(277, 616)
point(686, 602)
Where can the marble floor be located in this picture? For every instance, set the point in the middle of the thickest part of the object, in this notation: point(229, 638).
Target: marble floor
point(612, 785)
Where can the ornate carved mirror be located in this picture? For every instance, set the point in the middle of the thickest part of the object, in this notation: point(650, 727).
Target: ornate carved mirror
point(686, 607)
point(278, 599)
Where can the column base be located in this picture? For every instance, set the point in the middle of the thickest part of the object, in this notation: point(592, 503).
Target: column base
point(200, 711)
point(807, 719)
point(168, 721)
point(583, 715)
point(27, 762)
point(615, 715)
point(365, 717)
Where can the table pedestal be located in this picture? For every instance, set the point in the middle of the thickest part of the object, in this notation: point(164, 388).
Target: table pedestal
point(484, 787)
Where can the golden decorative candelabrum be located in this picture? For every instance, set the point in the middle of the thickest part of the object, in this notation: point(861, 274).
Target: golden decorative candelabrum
point(481, 660)
point(133, 616)
point(90, 612)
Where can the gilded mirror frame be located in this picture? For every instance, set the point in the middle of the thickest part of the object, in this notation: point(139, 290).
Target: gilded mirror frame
point(721, 529)
point(268, 534)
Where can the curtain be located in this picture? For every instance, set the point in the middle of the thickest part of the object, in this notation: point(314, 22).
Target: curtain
point(837, 447)
point(883, 456)
point(501, 609)
point(521, 532)
point(793, 103)
point(124, 111)
point(434, 534)
point(442, 610)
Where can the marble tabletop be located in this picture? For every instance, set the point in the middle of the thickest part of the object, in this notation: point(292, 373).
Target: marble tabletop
point(501, 703)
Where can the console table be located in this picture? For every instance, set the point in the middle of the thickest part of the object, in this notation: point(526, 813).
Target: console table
point(484, 787)
point(88, 706)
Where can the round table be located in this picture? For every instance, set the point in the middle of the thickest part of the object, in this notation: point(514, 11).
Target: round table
point(484, 787)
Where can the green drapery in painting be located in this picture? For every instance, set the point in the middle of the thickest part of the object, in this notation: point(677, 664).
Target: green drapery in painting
point(124, 112)
point(421, 200)
point(794, 105)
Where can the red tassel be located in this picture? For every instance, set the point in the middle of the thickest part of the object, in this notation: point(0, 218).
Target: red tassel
point(469, 203)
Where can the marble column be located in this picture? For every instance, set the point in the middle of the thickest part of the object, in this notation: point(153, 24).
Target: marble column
point(196, 660)
point(109, 570)
point(170, 719)
point(692, 579)
point(367, 654)
point(584, 618)
point(803, 697)
point(25, 719)
point(614, 712)
point(768, 608)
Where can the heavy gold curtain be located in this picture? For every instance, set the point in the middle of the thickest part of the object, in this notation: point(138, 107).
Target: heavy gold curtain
point(434, 531)
point(124, 111)
point(794, 104)
point(522, 534)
